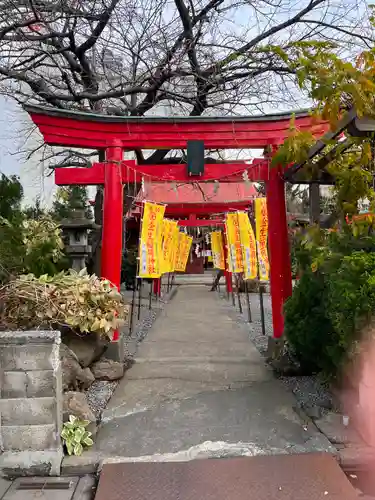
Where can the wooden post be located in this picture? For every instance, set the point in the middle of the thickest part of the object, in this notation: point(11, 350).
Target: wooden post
point(280, 267)
point(112, 218)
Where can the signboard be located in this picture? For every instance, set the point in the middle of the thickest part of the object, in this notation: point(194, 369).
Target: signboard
point(235, 263)
point(150, 245)
point(217, 249)
point(261, 222)
point(249, 252)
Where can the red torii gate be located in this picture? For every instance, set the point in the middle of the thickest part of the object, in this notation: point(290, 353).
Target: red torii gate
point(115, 134)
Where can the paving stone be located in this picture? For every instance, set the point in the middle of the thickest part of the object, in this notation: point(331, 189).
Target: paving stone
point(4, 486)
point(87, 463)
point(85, 489)
point(332, 426)
point(200, 386)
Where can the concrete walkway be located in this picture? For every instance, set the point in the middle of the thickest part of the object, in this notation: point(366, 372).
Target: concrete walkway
point(200, 388)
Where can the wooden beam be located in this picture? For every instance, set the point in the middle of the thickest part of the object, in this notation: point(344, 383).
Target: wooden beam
point(93, 176)
point(258, 170)
point(86, 130)
point(201, 223)
point(204, 208)
point(319, 146)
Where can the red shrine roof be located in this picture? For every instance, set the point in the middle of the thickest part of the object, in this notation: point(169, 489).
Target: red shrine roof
point(224, 192)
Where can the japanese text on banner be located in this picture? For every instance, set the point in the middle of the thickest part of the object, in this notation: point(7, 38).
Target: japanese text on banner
point(249, 252)
point(186, 251)
point(170, 228)
point(261, 221)
point(176, 232)
point(183, 251)
point(150, 246)
point(234, 243)
point(179, 251)
point(217, 250)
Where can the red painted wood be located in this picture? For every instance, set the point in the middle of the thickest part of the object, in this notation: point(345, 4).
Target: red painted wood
point(227, 172)
point(179, 211)
point(195, 265)
point(80, 176)
point(157, 286)
point(112, 219)
point(280, 267)
point(200, 223)
point(130, 172)
point(168, 134)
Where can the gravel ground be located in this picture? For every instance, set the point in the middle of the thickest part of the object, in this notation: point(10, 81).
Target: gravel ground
point(308, 390)
point(99, 394)
point(101, 391)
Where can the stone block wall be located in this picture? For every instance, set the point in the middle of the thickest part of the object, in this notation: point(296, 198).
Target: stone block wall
point(30, 403)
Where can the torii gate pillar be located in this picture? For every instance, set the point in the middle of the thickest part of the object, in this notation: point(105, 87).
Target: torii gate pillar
point(112, 215)
point(112, 218)
point(278, 242)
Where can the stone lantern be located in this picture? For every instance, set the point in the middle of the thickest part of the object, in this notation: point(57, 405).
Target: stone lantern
point(76, 229)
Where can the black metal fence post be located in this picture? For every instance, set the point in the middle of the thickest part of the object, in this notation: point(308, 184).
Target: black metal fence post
point(139, 297)
point(250, 319)
point(261, 304)
point(132, 308)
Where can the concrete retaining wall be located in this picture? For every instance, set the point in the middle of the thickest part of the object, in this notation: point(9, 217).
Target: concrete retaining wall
point(30, 403)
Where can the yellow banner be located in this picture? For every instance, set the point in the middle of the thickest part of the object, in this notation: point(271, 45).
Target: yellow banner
point(235, 263)
point(170, 228)
point(217, 249)
point(183, 251)
point(261, 221)
point(176, 232)
point(249, 252)
point(186, 252)
point(150, 245)
point(177, 256)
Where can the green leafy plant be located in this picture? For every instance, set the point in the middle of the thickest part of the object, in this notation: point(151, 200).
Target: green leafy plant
point(351, 294)
point(68, 199)
point(308, 328)
point(81, 301)
point(335, 297)
point(75, 436)
point(30, 246)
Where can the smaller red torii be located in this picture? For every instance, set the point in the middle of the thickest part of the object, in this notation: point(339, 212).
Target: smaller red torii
point(115, 172)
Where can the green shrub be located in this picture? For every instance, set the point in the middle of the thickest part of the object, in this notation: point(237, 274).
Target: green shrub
point(351, 292)
point(308, 329)
point(329, 308)
point(30, 246)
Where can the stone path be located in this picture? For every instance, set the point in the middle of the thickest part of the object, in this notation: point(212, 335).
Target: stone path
point(200, 388)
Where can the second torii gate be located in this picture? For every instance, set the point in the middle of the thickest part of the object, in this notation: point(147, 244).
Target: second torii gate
point(114, 173)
